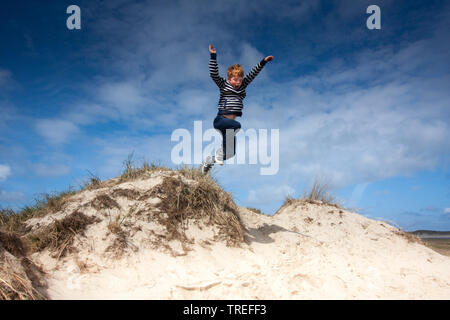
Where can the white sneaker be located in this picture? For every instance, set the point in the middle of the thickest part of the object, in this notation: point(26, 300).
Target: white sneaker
point(219, 156)
point(208, 164)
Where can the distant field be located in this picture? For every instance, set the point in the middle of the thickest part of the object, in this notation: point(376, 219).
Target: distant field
point(440, 245)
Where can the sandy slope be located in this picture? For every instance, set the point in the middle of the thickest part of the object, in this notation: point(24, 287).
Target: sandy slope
point(305, 251)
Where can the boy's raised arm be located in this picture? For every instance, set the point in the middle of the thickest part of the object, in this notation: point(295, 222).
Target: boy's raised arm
point(214, 68)
point(255, 70)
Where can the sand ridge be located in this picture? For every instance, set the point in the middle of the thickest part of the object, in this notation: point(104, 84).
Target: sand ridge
point(307, 250)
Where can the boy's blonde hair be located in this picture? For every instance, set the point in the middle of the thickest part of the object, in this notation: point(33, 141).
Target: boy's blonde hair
point(235, 70)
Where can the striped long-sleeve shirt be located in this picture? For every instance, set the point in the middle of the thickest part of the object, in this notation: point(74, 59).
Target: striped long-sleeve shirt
point(231, 100)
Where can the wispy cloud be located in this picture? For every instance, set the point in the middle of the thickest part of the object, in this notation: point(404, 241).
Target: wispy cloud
point(5, 171)
point(124, 96)
point(56, 131)
point(268, 194)
point(45, 170)
point(431, 208)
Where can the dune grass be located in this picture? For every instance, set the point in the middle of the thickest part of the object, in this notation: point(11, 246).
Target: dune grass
point(131, 171)
point(59, 235)
point(256, 210)
point(319, 193)
point(19, 276)
point(44, 204)
point(200, 201)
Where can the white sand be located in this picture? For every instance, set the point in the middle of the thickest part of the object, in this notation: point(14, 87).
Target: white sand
point(306, 251)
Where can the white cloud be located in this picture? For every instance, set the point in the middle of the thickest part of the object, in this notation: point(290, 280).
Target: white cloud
point(269, 194)
point(447, 210)
point(56, 131)
point(124, 96)
point(249, 57)
point(56, 170)
point(90, 113)
point(114, 150)
point(5, 171)
point(195, 102)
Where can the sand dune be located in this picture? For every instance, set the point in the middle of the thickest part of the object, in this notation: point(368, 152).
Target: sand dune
point(307, 250)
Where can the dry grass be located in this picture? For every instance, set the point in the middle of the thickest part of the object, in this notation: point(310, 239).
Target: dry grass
point(120, 243)
point(12, 243)
point(130, 194)
point(255, 210)
point(93, 183)
point(59, 235)
point(19, 277)
point(14, 286)
point(201, 201)
point(288, 201)
point(114, 225)
point(132, 172)
point(44, 205)
point(103, 201)
point(319, 194)
point(411, 238)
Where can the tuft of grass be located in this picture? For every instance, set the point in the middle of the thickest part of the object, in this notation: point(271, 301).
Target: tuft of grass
point(44, 204)
point(103, 201)
point(288, 200)
point(94, 182)
point(120, 243)
point(15, 286)
point(19, 276)
point(59, 235)
point(132, 172)
point(256, 210)
point(200, 201)
point(11, 242)
point(318, 194)
point(130, 194)
point(320, 191)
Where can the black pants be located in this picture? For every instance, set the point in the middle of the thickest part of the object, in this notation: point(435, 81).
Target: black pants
point(222, 124)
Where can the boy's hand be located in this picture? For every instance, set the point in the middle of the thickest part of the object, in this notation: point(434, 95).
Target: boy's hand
point(211, 49)
point(268, 58)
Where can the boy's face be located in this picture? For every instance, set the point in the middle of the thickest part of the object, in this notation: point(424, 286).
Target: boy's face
point(235, 81)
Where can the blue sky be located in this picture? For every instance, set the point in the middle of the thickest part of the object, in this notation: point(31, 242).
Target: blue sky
point(366, 110)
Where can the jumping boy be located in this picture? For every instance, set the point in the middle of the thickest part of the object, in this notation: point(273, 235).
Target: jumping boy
point(232, 93)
